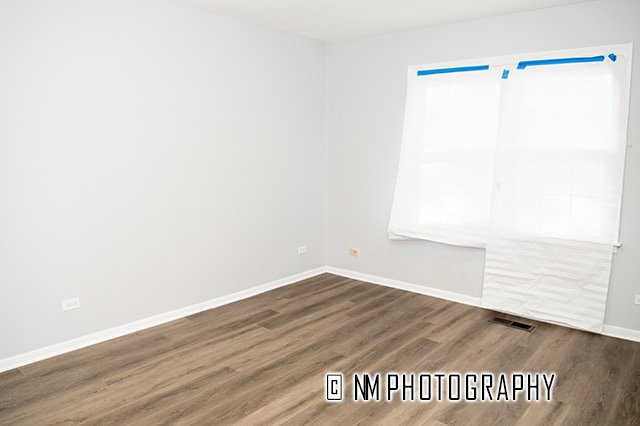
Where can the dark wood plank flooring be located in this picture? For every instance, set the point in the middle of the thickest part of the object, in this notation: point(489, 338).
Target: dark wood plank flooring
point(263, 360)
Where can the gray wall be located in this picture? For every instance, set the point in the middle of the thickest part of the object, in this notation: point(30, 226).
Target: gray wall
point(152, 156)
point(367, 84)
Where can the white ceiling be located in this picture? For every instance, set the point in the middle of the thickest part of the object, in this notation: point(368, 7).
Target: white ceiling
point(335, 20)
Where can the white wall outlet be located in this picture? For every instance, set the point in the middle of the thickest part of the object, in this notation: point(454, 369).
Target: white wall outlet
point(302, 249)
point(354, 252)
point(71, 304)
point(637, 301)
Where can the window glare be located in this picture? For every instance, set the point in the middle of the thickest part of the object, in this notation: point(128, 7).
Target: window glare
point(461, 116)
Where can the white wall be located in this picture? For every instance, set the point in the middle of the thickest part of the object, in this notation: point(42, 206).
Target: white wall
point(367, 86)
point(152, 156)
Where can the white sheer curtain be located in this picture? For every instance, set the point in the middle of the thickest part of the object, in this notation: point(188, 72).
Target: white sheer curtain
point(525, 159)
point(557, 192)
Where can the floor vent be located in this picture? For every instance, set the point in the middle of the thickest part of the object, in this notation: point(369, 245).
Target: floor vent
point(513, 324)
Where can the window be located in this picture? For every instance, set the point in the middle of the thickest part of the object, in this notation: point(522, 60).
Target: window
point(443, 190)
point(560, 156)
point(559, 128)
point(523, 156)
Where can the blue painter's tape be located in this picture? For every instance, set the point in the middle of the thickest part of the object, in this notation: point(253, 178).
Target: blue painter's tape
point(613, 57)
point(505, 74)
point(524, 64)
point(452, 70)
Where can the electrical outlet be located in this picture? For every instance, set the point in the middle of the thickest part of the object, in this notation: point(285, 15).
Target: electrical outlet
point(302, 249)
point(354, 252)
point(71, 304)
point(637, 301)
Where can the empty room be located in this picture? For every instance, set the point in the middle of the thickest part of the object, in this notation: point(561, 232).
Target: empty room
point(319, 212)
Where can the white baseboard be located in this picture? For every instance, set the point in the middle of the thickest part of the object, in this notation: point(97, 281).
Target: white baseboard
point(414, 288)
point(132, 327)
point(91, 339)
point(621, 333)
point(607, 330)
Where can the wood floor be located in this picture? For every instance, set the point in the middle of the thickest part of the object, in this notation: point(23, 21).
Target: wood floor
point(263, 360)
